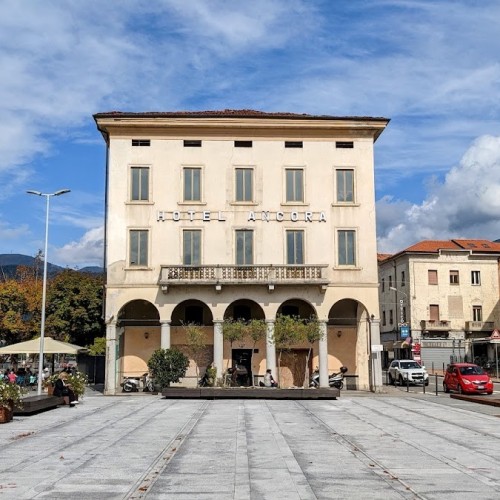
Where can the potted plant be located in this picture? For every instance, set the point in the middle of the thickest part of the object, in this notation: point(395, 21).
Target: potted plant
point(78, 381)
point(10, 397)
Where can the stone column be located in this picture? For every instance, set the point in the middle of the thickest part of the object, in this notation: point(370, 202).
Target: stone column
point(165, 334)
point(110, 382)
point(375, 357)
point(323, 355)
point(218, 348)
point(271, 348)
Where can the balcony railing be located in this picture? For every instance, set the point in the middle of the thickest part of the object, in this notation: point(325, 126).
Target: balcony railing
point(218, 275)
point(433, 325)
point(479, 326)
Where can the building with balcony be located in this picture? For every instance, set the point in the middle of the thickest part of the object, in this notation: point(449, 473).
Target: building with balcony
point(244, 215)
point(444, 296)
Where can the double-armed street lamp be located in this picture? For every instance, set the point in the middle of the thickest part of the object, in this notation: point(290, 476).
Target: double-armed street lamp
point(42, 323)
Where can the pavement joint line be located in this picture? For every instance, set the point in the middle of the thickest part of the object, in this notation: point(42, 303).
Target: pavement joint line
point(303, 487)
point(149, 478)
point(439, 457)
point(242, 473)
point(371, 464)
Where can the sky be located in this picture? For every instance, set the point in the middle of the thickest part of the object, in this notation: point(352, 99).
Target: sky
point(432, 67)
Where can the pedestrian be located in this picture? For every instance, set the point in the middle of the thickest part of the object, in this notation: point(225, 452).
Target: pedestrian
point(12, 377)
point(63, 389)
point(269, 379)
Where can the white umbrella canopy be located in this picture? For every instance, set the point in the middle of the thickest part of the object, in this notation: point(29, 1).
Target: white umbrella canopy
point(50, 346)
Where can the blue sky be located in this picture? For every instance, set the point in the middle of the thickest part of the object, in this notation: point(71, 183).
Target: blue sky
point(432, 67)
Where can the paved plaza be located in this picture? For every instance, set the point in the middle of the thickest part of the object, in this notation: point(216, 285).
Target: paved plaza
point(388, 446)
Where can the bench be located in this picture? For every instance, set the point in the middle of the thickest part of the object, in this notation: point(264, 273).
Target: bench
point(35, 404)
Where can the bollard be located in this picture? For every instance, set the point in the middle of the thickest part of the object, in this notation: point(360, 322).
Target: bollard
point(436, 375)
point(407, 383)
point(424, 384)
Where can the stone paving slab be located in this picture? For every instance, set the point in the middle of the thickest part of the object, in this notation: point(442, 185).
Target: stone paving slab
point(388, 446)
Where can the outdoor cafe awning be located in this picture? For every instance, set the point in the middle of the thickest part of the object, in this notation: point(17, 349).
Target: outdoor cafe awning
point(50, 346)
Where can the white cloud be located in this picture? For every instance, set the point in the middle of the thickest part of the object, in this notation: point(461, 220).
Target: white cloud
point(465, 205)
point(88, 251)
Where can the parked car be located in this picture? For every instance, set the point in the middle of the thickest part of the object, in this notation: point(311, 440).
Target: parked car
point(403, 370)
point(467, 378)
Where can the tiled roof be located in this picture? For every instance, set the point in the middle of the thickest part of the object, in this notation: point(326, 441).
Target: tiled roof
point(228, 113)
point(383, 256)
point(434, 246)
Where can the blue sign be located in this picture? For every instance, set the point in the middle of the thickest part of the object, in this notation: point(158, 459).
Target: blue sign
point(404, 331)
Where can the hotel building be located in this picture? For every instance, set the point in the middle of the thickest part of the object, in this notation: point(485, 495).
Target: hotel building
point(241, 214)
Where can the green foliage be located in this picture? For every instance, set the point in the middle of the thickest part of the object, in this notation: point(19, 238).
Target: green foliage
point(10, 395)
point(256, 329)
point(74, 307)
point(196, 343)
point(288, 330)
point(78, 381)
point(14, 308)
point(98, 347)
point(211, 375)
point(233, 330)
point(167, 366)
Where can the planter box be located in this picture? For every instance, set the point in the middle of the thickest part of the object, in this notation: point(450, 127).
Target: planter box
point(5, 415)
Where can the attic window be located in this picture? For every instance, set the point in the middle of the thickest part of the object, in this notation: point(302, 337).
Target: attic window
point(243, 144)
point(293, 144)
point(485, 245)
point(192, 144)
point(344, 144)
point(141, 142)
point(471, 245)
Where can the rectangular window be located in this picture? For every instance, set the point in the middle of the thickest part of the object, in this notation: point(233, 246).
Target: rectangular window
point(344, 144)
point(244, 247)
point(293, 144)
point(141, 142)
point(295, 247)
point(347, 248)
point(244, 184)
point(192, 144)
point(243, 144)
point(434, 312)
point(345, 185)
point(138, 247)
point(383, 284)
point(454, 278)
point(477, 313)
point(475, 277)
point(432, 276)
point(391, 317)
point(192, 184)
point(384, 320)
point(294, 185)
point(191, 247)
point(390, 281)
point(139, 184)
point(403, 278)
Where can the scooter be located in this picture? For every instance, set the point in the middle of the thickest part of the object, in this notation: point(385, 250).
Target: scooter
point(334, 380)
point(133, 384)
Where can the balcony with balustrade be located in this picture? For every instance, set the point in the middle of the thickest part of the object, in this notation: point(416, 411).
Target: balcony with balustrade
point(479, 326)
point(220, 275)
point(435, 325)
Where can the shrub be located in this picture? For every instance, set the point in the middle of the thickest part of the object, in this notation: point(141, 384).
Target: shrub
point(167, 366)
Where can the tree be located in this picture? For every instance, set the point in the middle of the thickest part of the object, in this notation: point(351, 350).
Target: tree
point(196, 344)
point(15, 313)
point(98, 347)
point(167, 366)
point(288, 331)
point(255, 329)
point(312, 333)
point(232, 331)
point(74, 307)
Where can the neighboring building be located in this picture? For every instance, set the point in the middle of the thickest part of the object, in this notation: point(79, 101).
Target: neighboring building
point(445, 295)
point(241, 214)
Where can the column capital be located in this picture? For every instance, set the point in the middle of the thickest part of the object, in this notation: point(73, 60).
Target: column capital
point(270, 321)
point(217, 321)
point(165, 321)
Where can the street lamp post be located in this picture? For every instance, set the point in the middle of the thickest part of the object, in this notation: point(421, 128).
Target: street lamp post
point(44, 289)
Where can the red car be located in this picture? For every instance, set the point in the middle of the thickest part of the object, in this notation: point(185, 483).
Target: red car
point(466, 378)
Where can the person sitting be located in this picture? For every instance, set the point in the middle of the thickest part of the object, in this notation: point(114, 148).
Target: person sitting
point(269, 380)
point(63, 389)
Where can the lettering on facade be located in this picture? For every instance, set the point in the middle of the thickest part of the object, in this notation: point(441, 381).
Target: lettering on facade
point(252, 216)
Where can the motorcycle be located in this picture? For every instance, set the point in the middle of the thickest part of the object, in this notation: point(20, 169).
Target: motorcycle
point(334, 380)
point(133, 384)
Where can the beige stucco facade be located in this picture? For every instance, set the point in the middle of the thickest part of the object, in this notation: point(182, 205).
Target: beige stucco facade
point(449, 297)
point(282, 157)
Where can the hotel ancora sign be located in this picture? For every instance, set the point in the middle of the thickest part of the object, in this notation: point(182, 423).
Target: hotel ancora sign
point(252, 216)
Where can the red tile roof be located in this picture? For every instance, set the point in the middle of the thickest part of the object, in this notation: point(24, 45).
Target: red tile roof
point(434, 246)
point(383, 256)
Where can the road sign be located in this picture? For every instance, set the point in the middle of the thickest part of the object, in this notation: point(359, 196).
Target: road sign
point(404, 331)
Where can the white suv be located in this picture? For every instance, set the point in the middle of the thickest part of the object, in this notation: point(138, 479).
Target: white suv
point(403, 370)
